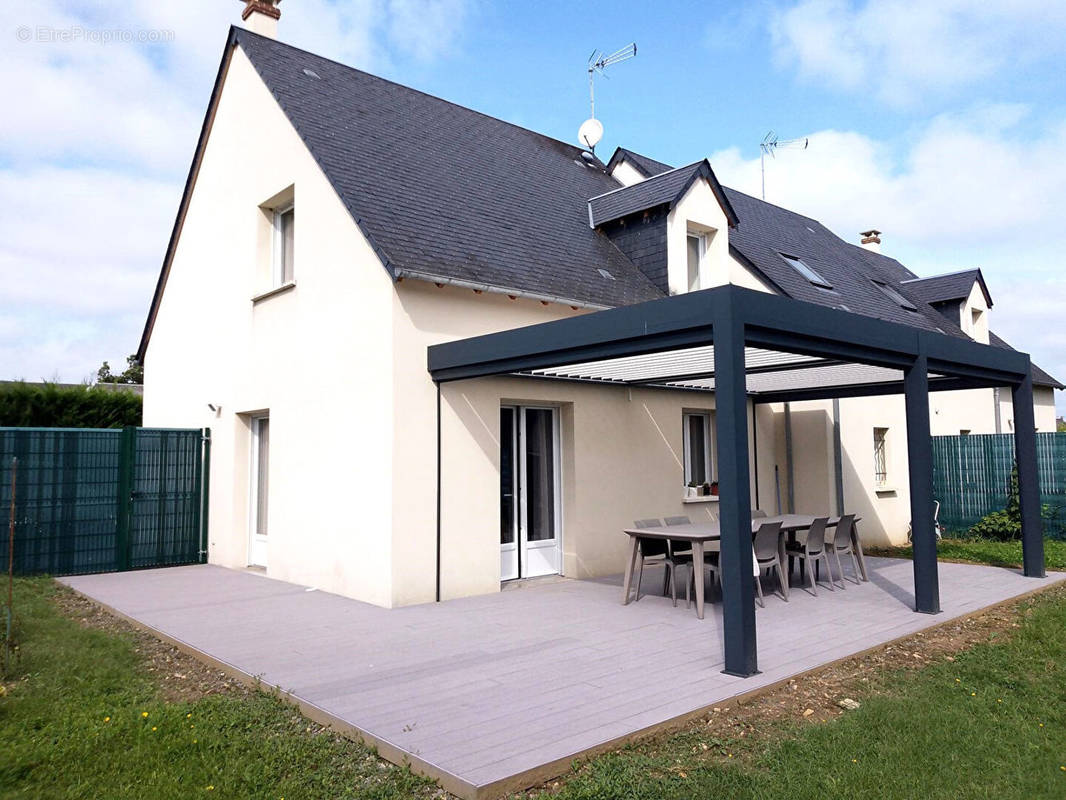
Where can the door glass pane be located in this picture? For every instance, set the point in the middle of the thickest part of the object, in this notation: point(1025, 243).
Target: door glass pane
point(697, 452)
point(540, 475)
point(262, 475)
point(507, 476)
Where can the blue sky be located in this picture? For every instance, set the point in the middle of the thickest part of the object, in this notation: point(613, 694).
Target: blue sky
point(941, 123)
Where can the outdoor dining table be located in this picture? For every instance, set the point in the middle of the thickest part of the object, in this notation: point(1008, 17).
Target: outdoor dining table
point(699, 534)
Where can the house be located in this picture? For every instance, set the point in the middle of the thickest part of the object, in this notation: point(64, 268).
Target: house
point(335, 225)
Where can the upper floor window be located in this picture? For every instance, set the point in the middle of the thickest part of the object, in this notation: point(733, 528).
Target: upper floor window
point(697, 246)
point(284, 239)
point(807, 271)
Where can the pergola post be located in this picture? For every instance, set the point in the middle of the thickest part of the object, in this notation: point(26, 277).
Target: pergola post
point(920, 462)
point(734, 507)
point(1028, 478)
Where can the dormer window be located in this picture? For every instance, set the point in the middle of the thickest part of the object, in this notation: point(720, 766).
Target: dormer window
point(697, 246)
point(895, 296)
point(807, 271)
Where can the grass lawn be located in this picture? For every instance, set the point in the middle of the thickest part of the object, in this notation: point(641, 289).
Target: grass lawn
point(83, 718)
point(87, 717)
point(985, 551)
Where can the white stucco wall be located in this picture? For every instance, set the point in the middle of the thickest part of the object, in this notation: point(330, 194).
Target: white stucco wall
point(317, 357)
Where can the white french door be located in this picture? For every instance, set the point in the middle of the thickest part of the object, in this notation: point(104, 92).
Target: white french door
point(529, 492)
point(260, 484)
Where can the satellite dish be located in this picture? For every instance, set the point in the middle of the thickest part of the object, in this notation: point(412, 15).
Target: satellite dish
point(590, 132)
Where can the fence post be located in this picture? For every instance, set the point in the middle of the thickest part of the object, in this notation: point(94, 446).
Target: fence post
point(205, 493)
point(124, 499)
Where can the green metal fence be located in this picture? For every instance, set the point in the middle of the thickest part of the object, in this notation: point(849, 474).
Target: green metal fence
point(971, 477)
point(104, 500)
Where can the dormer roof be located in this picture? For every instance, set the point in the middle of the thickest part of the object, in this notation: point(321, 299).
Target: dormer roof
point(666, 188)
point(949, 287)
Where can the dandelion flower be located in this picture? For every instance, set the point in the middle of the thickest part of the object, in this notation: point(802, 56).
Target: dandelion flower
point(154, 728)
point(210, 788)
point(144, 714)
point(107, 719)
point(973, 694)
point(188, 716)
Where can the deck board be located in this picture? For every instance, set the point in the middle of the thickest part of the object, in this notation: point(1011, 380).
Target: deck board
point(488, 689)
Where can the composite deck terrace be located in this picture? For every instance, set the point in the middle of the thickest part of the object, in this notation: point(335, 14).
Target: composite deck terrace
point(494, 693)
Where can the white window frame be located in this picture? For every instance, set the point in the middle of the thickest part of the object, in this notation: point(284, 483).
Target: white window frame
point(702, 239)
point(278, 246)
point(881, 462)
point(708, 448)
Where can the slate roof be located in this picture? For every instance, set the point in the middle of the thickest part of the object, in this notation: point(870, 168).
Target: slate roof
point(945, 288)
point(445, 192)
point(1040, 378)
point(663, 189)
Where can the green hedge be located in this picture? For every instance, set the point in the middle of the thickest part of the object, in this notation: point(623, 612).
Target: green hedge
point(48, 405)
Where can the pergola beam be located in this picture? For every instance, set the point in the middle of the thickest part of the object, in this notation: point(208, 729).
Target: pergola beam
point(672, 323)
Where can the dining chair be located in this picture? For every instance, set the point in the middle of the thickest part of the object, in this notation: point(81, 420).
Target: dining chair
point(842, 544)
point(768, 557)
point(655, 552)
point(813, 552)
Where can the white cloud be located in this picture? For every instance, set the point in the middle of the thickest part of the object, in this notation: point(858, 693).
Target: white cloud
point(962, 191)
point(900, 50)
point(426, 29)
point(93, 162)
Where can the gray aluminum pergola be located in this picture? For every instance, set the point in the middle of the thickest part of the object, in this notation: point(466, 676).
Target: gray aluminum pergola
point(740, 343)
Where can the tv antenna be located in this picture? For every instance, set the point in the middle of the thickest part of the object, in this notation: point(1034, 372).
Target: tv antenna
point(591, 130)
point(769, 146)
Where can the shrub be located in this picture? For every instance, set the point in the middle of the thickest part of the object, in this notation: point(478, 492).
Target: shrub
point(49, 405)
point(1006, 525)
point(999, 525)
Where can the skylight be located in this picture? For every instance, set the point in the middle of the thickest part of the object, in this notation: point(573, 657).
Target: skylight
point(807, 272)
point(895, 296)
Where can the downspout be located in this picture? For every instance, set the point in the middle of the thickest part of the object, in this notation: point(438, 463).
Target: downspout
point(438, 493)
point(995, 402)
point(838, 457)
point(789, 477)
point(755, 452)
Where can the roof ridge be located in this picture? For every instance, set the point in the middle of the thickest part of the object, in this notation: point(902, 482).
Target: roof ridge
point(244, 31)
point(646, 180)
point(943, 275)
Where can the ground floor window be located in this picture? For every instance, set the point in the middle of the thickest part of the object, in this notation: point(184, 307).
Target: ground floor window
point(697, 435)
point(881, 456)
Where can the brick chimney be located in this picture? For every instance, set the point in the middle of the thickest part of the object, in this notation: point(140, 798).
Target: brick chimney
point(871, 240)
point(261, 16)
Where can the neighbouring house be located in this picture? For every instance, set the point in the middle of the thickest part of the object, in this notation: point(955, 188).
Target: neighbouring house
point(335, 225)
